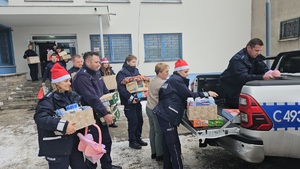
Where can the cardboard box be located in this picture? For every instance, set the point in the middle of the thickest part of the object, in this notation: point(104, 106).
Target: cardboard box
point(112, 98)
point(66, 57)
point(33, 59)
point(62, 53)
point(208, 123)
point(82, 118)
point(137, 86)
point(209, 112)
point(229, 114)
point(110, 82)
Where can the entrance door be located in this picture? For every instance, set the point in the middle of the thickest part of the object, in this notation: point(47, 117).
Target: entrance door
point(42, 49)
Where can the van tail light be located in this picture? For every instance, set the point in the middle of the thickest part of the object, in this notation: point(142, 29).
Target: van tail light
point(252, 115)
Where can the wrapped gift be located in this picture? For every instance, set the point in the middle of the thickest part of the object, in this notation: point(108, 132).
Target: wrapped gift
point(83, 117)
point(207, 123)
point(230, 114)
point(110, 82)
point(206, 112)
point(137, 86)
point(111, 98)
point(33, 59)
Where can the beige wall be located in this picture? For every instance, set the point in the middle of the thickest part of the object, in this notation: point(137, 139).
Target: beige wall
point(212, 31)
point(280, 11)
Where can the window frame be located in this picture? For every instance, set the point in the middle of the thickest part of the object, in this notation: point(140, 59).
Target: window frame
point(282, 29)
point(111, 58)
point(162, 56)
point(10, 47)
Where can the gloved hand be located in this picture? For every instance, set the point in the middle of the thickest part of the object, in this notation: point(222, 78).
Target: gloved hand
point(133, 98)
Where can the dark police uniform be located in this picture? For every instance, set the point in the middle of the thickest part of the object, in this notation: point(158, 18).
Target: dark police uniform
point(133, 112)
point(90, 85)
point(241, 69)
point(54, 144)
point(34, 70)
point(169, 110)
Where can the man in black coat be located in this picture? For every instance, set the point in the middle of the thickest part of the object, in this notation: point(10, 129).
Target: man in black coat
point(34, 70)
point(244, 66)
point(89, 84)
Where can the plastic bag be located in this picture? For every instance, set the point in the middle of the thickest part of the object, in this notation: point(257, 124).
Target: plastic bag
point(40, 94)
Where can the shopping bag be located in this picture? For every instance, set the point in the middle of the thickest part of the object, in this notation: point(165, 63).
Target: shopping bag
point(40, 94)
point(91, 149)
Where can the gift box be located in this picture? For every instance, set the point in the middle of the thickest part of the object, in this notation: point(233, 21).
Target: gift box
point(207, 112)
point(113, 110)
point(110, 82)
point(62, 53)
point(111, 98)
point(83, 118)
point(207, 123)
point(33, 59)
point(229, 114)
point(65, 57)
point(137, 86)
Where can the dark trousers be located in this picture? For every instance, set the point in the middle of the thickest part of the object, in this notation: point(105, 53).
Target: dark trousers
point(76, 157)
point(171, 145)
point(133, 113)
point(58, 162)
point(106, 140)
point(34, 70)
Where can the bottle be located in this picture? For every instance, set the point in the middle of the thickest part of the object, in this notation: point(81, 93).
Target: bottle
point(190, 101)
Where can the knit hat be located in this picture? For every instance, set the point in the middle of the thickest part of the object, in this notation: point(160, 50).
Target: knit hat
point(181, 65)
point(59, 73)
point(104, 60)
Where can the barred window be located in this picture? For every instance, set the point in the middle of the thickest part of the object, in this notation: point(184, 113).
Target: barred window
point(116, 47)
point(163, 47)
point(289, 29)
point(5, 47)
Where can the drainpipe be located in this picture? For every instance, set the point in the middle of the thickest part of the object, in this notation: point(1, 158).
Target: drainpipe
point(101, 36)
point(268, 30)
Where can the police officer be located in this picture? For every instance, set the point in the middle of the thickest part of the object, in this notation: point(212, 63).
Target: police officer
point(244, 66)
point(169, 110)
point(56, 136)
point(89, 84)
point(34, 70)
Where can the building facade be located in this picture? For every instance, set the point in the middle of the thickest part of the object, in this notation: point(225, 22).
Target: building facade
point(205, 33)
point(285, 24)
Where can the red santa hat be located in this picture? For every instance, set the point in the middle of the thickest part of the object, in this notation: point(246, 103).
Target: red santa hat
point(104, 60)
point(181, 65)
point(59, 73)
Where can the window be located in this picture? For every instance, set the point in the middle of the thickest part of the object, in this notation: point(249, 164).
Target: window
point(5, 46)
point(289, 29)
point(116, 47)
point(163, 47)
point(161, 1)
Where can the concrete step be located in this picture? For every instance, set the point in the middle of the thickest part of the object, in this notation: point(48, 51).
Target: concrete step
point(23, 105)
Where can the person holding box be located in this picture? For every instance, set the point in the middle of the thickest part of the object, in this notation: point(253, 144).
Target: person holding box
point(173, 96)
point(34, 70)
point(132, 106)
point(56, 136)
point(89, 84)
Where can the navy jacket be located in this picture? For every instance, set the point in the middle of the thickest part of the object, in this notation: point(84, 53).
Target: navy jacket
point(126, 71)
point(29, 53)
point(241, 69)
point(73, 69)
point(52, 137)
point(172, 98)
point(90, 85)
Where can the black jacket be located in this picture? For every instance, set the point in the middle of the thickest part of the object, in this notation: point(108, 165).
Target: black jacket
point(126, 71)
point(241, 69)
point(52, 137)
point(29, 53)
point(172, 98)
point(90, 85)
point(73, 70)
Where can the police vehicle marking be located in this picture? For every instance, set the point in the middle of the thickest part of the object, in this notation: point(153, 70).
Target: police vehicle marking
point(283, 115)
